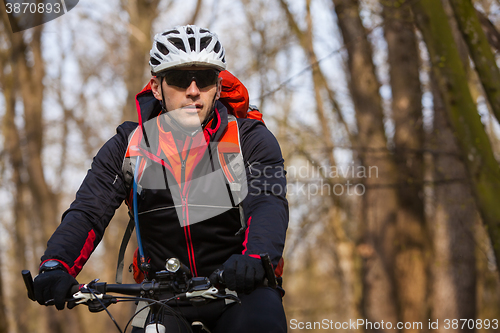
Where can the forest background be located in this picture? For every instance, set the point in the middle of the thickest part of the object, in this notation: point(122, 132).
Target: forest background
point(387, 115)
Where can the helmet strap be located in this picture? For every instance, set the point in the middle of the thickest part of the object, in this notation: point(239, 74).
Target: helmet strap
point(210, 113)
point(163, 107)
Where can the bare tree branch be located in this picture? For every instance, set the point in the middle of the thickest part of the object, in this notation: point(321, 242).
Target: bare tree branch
point(196, 12)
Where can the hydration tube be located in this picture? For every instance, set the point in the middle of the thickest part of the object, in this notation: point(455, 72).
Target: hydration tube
point(136, 213)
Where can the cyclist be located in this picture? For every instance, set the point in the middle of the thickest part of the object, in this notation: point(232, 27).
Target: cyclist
point(210, 189)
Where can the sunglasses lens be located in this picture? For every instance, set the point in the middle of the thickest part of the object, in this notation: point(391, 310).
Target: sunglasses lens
point(177, 78)
point(183, 79)
point(207, 78)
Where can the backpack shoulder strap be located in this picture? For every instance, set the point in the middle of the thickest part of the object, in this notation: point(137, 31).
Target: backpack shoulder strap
point(233, 166)
point(128, 168)
point(231, 160)
point(123, 248)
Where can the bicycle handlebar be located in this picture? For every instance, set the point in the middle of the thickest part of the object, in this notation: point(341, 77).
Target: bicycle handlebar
point(133, 289)
point(193, 288)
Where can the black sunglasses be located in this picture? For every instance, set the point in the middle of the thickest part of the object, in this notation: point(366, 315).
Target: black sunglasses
point(183, 78)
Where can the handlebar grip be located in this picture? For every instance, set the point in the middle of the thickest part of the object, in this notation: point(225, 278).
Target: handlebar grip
point(28, 281)
point(74, 289)
point(269, 279)
point(218, 277)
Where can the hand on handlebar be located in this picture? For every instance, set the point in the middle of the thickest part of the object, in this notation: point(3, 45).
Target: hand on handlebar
point(243, 273)
point(54, 285)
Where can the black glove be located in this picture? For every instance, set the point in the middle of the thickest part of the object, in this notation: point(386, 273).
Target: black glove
point(243, 273)
point(55, 285)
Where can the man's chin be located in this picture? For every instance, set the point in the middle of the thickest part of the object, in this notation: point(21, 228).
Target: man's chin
point(190, 125)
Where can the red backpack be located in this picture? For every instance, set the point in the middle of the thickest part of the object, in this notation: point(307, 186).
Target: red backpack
point(234, 96)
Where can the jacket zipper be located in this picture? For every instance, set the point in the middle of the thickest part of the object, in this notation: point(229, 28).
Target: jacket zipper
point(185, 207)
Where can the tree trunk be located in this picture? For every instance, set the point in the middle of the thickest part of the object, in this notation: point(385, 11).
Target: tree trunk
point(4, 325)
point(475, 147)
point(454, 214)
point(381, 202)
point(490, 30)
point(411, 245)
point(480, 51)
point(142, 15)
point(31, 88)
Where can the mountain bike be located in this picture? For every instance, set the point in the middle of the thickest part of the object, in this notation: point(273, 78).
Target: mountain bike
point(155, 297)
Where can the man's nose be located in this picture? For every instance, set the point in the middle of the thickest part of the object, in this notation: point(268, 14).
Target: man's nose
point(193, 89)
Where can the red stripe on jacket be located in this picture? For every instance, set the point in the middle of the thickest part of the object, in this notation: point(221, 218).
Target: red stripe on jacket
point(85, 253)
point(246, 241)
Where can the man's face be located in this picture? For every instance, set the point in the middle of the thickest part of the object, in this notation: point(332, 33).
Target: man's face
point(188, 106)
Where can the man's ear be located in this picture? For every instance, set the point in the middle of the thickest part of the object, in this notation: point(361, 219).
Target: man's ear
point(219, 87)
point(156, 87)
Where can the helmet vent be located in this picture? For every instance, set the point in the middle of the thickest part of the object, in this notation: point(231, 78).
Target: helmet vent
point(217, 47)
point(177, 42)
point(170, 32)
point(189, 31)
point(203, 31)
point(162, 48)
point(192, 43)
point(204, 42)
point(153, 61)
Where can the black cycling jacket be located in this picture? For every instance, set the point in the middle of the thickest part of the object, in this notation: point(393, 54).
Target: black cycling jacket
point(207, 244)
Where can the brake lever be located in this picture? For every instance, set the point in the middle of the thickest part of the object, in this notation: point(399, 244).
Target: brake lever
point(229, 296)
point(210, 293)
point(83, 295)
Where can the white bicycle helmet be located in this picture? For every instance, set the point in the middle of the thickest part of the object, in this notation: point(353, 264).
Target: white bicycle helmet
point(186, 45)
